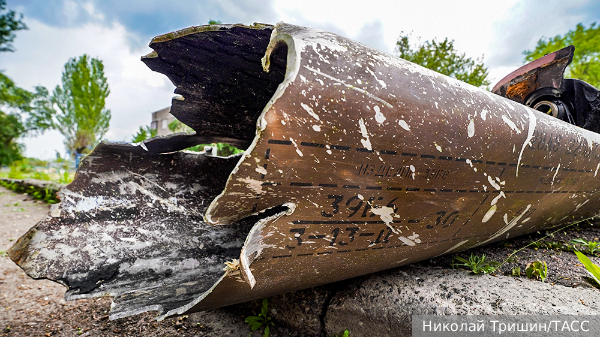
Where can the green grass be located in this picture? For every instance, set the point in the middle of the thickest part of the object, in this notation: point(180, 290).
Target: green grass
point(477, 264)
point(591, 247)
point(537, 270)
point(43, 194)
point(256, 322)
point(592, 268)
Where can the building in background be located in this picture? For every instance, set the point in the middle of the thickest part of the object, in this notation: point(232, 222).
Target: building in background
point(161, 120)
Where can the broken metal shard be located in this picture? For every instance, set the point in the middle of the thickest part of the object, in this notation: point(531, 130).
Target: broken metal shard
point(355, 161)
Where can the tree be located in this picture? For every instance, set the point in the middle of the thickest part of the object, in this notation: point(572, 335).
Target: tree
point(144, 133)
point(82, 118)
point(19, 113)
point(9, 24)
point(443, 58)
point(586, 61)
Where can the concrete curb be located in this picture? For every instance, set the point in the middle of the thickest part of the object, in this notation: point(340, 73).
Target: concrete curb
point(38, 184)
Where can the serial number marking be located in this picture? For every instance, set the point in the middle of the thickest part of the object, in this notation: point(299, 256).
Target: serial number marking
point(386, 171)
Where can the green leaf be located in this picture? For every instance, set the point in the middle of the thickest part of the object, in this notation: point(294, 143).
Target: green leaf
point(255, 326)
point(265, 305)
point(443, 58)
point(592, 269)
point(267, 331)
point(586, 60)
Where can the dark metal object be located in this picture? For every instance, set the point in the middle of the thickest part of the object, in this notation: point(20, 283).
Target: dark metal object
point(544, 75)
point(540, 85)
point(357, 162)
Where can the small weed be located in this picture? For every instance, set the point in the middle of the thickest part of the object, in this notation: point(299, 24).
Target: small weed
point(591, 247)
point(537, 269)
point(516, 271)
point(477, 264)
point(346, 333)
point(64, 178)
point(3, 253)
point(592, 268)
point(256, 322)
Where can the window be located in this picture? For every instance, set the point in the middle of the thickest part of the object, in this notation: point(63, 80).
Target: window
point(164, 124)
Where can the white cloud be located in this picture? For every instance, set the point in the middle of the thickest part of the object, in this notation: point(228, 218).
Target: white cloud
point(499, 30)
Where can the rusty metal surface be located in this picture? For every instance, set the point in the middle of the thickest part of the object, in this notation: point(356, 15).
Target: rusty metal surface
point(359, 162)
point(545, 72)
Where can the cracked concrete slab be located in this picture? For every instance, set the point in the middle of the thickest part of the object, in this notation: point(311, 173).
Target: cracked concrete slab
point(383, 305)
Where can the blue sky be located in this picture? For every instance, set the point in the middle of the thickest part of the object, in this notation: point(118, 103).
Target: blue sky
point(118, 32)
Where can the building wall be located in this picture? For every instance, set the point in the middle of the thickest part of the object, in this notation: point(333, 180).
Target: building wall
point(161, 120)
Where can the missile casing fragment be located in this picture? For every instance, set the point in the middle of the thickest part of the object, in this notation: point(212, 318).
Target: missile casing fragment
point(357, 161)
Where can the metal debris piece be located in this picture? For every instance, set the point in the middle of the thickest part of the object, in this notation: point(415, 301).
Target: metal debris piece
point(356, 161)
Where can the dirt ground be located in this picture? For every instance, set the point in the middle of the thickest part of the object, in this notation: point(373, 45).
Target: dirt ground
point(37, 308)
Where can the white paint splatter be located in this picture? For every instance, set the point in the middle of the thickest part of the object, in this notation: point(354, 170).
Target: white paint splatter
point(489, 214)
point(310, 111)
point(411, 240)
point(493, 183)
point(261, 170)
point(580, 205)
point(532, 122)
point(511, 124)
point(495, 200)
point(363, 130)
point(297, 149)
point(405, 126)
point(454, 247)
point(379, 117)
point(439, 148)
point(349, 86)
point(508, 226)
point(386, 215)
point(471, 129)
point(597, 167)
point(253, 184)
point(555, 173)
point(484, 114)
point(317, 128)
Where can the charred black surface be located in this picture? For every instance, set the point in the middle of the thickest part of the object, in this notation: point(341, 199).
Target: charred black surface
point(181, 141)
point(92, 279)
point(220, 76)
point(130, 225)
point(585, 100)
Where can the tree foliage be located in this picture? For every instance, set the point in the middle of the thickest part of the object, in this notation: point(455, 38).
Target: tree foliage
point(18, 107)
point(10, 22)
point(83, 118)
point(443, 58)
point(13, 100)
point(21, 112)
point(144, 132)
point(586, 61)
